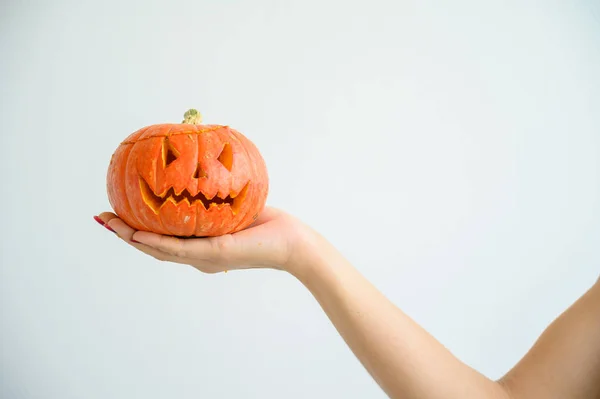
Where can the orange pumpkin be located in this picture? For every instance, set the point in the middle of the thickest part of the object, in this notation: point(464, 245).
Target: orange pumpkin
point(187, 179)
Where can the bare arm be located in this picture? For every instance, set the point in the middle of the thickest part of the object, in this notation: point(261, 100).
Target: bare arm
point(565, 361)
point(408, 363)
point(403, 358)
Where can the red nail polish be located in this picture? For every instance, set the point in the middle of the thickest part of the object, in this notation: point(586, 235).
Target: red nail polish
point(97, 219)
point(134, 241)
point(109, 228)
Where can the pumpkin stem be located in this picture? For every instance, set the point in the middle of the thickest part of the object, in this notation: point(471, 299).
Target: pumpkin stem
point(192, 116)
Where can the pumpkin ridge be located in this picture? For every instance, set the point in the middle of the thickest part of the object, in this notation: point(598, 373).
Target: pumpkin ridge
point(127, 168)
point(238, 136)
point(127, 208)
point(201, 131)
point(164, 160)
point(163, 136)
point(125, 173)
point(197, 220)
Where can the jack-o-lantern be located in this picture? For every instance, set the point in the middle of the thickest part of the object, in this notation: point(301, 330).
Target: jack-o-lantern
point(187, 179)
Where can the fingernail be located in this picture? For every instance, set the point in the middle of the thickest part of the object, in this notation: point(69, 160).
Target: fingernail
point(134, 241)
point(109, 228)
point(97, 219)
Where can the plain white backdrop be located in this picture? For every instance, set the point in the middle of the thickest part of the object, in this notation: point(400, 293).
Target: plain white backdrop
point(449, 149)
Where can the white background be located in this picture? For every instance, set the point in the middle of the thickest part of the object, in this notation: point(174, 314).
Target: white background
point(449, 149)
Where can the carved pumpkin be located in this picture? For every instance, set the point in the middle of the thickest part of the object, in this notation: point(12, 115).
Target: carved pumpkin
point(187, 179)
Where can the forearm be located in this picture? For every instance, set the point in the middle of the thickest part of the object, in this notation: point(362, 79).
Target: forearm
point(403, 358)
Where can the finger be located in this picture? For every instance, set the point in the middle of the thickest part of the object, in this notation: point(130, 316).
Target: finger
point(121, 228)
point(203, 266)
point(195, 248)
point(105, 217)
point(160, 255)
point(113, 223)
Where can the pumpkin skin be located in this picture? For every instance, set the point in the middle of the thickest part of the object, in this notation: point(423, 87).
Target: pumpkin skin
point(187, 180)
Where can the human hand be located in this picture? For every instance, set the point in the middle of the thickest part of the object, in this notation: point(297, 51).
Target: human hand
point(274, 240)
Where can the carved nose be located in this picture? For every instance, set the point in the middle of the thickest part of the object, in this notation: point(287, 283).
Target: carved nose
point(199, 173)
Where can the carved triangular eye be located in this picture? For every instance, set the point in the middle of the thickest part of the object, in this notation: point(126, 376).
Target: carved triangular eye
point(199, 172)
point(226, 156)
point(170, 154)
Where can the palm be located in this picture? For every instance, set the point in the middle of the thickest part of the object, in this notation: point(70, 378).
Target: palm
point(266, 243)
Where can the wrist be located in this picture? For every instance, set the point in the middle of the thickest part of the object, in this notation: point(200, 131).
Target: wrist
point(311, 254)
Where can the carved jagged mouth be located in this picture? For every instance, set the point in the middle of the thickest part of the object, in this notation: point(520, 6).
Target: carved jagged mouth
point(155, 201)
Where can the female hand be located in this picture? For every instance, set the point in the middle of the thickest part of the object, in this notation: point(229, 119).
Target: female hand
point(272, 241)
